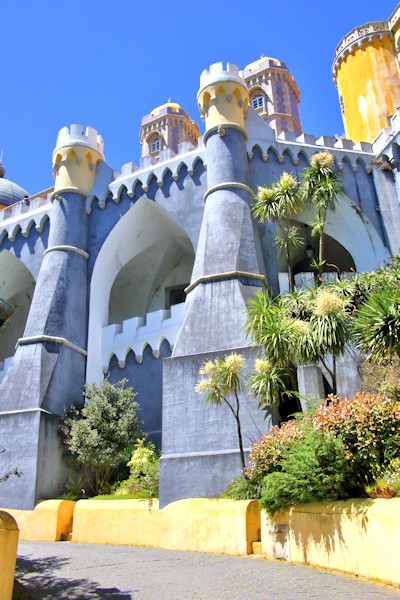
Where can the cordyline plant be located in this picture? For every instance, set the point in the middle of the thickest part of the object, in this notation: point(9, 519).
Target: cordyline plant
point(321, 185)
point(279, 203)
point(222, 380)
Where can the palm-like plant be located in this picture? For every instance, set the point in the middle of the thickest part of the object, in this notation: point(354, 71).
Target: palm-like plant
point(377, 325)
point(322, 185)
point(221, 380)
point(279, 203)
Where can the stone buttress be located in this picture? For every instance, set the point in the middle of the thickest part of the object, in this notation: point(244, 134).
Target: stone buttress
point(48, 369)
point(225, 274)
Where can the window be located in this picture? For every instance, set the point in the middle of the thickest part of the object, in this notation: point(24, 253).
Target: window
point(257, 101)
point(175, 295)
point(155, 144)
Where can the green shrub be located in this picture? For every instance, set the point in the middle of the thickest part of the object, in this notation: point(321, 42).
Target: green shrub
point(241, 488)
point(314, 468)
point(100, 434)
point(144, 472)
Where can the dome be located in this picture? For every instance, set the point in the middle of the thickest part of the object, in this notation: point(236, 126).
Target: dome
point(10, 192)
point(172, 105)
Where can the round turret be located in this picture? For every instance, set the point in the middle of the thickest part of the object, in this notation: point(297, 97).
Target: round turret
point(365, 71)
point(10, 192)
point(223, 97)
point(75, 158)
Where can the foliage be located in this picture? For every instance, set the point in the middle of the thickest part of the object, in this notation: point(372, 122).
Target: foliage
point(223, 381)
point(241, 488)
point(75, 488)
point(279, 203)
point(369, 425)
point(313, 468)
point(293, 329)
point(144, 472)
point(345, 447)
point(267, 454)
point(101, 433)
point(386, 482)
point(321, 185)
point(377, 325)
point(381, 378)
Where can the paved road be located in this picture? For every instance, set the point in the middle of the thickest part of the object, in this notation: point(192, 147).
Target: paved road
point(67, 570)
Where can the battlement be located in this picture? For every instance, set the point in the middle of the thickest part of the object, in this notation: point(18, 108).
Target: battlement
point(385, 138)
point(138, 332)
point(355, 38)
point(76, 136)
point(217, 73)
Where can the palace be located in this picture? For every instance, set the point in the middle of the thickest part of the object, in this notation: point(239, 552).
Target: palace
point(145, 273)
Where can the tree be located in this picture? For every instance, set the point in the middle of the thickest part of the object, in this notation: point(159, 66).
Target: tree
point(221, 380)
point(322, 185)
point(279, 203)
point(293, 329)
point(101, 434)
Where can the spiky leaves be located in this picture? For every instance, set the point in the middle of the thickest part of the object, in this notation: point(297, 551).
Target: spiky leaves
point(377, 325)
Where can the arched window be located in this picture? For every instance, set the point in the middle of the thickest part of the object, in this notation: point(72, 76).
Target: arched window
point(257, 101)
point(155, 144)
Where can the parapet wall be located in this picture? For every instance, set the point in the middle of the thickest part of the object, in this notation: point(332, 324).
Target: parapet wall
point(360, 536)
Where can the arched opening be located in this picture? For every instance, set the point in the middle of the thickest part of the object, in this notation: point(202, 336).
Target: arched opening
point(16, 290)
point(138, 278)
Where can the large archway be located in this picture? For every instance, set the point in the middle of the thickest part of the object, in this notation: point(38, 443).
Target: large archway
point(142, 267)
point(16, 290)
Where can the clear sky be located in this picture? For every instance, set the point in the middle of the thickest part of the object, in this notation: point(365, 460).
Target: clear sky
point(107, 63)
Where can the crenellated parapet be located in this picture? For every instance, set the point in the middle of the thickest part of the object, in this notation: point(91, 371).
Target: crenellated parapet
point(75, 158)
point(223, 97)
point(138, 332)
point(358, 38)
point(366, 73)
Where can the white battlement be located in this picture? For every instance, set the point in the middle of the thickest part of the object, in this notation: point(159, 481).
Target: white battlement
point(216, 73)
point(137, 333)
point(22, 207)
point(74, 135)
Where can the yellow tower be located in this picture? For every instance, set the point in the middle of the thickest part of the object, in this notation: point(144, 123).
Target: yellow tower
point(75, 159)
point(366, 74)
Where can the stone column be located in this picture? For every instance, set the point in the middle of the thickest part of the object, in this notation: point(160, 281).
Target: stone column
point(48, 369)
point(200, 447)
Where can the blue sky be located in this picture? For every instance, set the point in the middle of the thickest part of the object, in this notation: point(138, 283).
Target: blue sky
point(106, 64)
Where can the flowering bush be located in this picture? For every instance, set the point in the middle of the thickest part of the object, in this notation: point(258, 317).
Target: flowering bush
point(266, 454)
point(360, 436)
point(369, 425)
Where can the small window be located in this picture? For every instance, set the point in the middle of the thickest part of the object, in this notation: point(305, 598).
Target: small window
point(155, 145)
point(175, 295)
point(257, 101)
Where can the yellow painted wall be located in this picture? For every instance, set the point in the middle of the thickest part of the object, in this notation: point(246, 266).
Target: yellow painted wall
point(198, 524)
point(8, 554)
point(368, 82)
point(359, 536)
point(47, 522)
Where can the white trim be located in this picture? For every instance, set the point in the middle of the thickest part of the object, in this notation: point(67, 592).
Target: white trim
point(39, 339)
point(71, 248)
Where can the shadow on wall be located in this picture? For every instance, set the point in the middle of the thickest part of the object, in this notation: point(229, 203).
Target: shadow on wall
point(326, 529)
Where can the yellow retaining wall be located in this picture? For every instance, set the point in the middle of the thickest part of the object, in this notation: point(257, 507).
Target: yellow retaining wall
point(359, 536)
point(195, 524)
point(8, 554)
point(49, 520)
